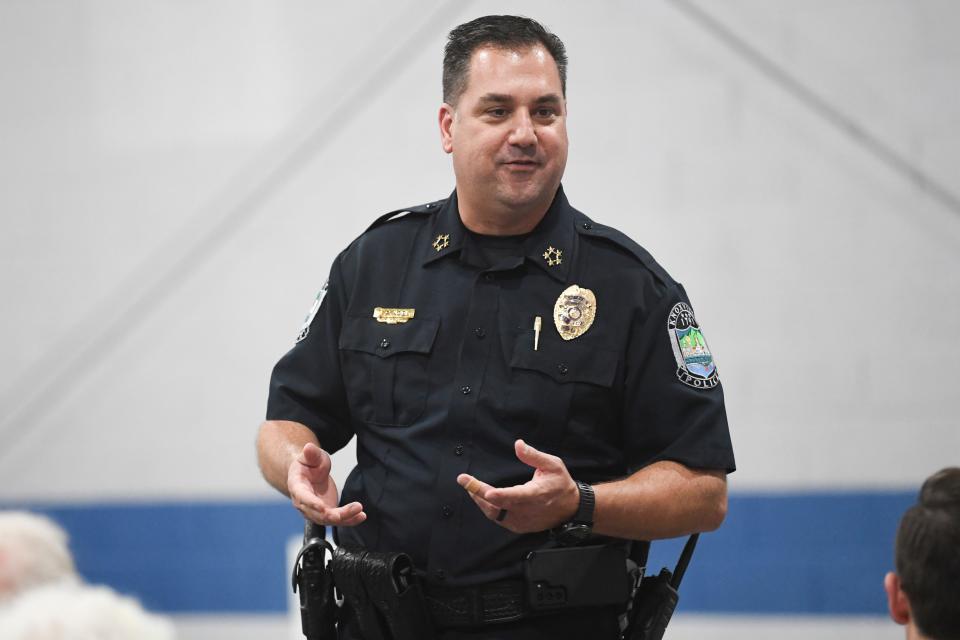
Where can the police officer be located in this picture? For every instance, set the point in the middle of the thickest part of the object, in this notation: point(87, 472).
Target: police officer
point(514, 373)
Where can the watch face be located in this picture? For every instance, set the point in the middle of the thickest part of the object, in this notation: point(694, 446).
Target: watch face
point(573, 533)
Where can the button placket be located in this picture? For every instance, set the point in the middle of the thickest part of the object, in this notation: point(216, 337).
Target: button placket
point(474, 352)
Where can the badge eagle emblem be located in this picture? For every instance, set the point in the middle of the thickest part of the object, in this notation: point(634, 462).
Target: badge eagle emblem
point(574, 312)
point(695, 365)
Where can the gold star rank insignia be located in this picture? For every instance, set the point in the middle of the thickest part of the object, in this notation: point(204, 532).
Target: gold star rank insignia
point(442, 242)
point(553, 256)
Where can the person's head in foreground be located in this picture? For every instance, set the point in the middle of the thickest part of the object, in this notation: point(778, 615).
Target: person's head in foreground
point(924, 593)
point(33, 552)
point(80, 612)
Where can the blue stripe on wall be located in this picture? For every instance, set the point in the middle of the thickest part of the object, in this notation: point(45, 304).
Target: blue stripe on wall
point(823, 553)
point(186, 557)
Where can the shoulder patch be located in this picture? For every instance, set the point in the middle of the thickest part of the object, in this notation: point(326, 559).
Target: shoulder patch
point(587, 227)
point(305, 327)
point(695, 365)
point(420, 209)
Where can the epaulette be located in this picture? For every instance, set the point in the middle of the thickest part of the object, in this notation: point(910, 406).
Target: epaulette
point(587, 227)
point(430, 207)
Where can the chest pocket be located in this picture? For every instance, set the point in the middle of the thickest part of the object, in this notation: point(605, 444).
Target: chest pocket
point(562, 383)
point(385, 368)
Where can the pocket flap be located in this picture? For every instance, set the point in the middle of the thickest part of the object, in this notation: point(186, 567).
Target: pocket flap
point(567, 362)
point(364, 333)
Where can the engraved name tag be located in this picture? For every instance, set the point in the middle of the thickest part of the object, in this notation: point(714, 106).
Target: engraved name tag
point(393, 316)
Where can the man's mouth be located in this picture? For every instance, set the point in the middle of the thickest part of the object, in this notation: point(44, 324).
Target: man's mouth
point(520, 164)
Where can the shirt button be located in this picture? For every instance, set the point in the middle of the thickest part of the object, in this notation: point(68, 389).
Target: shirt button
point(563, 369)
point(480, 333)
point(458, 450)
point(465, 390)
point(489, 277)
point(447, 511)
point(441, 574)
point(384, 344)
point(587, 226)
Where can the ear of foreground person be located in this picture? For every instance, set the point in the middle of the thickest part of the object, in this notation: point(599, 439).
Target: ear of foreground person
point(924, 592)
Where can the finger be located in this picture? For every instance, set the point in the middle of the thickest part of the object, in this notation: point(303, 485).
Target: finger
point(312, 515)
point(303, 496)
point(493, 514)
point(339, 515)
point(514, 496)
point(322, 519)
point(335, 517)
point(535, 458)
point(474, 486)
point(312, 456)
point(489, 510)
point(354, 521)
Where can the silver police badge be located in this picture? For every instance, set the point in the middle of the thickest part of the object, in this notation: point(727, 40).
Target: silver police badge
point(574, 312)
point(695, 365)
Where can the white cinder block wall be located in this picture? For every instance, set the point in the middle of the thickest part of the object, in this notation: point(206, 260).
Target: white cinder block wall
point(175, 180)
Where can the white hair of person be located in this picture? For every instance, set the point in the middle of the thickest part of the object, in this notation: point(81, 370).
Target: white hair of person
point(33, 552)
point(80, 612)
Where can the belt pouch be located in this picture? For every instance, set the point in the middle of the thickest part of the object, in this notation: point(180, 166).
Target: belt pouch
point(567, 577)
point(348, 576)
point(395, 591)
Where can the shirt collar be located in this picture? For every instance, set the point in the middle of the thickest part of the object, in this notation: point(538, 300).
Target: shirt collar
point(550, 245)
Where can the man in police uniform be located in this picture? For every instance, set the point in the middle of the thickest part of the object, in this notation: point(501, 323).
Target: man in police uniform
point(514, 372)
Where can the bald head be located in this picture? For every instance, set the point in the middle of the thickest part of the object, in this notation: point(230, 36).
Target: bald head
point(33, 552)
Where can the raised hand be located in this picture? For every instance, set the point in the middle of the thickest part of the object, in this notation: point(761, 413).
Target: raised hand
point(314, 493)
point(548, 499)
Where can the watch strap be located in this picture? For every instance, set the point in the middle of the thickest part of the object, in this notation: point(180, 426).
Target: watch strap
point(588, 501)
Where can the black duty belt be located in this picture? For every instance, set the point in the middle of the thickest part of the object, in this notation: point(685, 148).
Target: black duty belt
point(473, 606)
point(383, 597)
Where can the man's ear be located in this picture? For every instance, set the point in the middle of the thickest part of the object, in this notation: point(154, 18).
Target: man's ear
point(897, 601)
point(445, 120)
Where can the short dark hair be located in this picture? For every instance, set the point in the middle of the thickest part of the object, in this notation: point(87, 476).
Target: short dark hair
point(928, 556)
point(503, 32)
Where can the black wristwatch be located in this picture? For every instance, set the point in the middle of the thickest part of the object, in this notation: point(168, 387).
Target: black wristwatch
point(581, 526)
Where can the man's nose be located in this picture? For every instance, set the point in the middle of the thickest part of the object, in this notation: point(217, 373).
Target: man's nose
point(522, 134)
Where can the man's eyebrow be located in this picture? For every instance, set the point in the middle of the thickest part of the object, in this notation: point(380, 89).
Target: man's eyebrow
point(496, 97)
point(500, 98)
point(550, 98)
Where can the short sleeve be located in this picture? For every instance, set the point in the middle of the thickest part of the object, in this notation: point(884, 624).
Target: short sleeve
point(673, 398)
point(306, 385)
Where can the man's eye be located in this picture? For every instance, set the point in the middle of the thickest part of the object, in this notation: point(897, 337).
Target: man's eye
point(546, 112)
point(497, 113)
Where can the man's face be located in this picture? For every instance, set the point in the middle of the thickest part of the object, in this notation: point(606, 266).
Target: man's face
point(508, 131)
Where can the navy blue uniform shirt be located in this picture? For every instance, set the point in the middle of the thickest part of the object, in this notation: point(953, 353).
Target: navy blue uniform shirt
point(451, 389)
